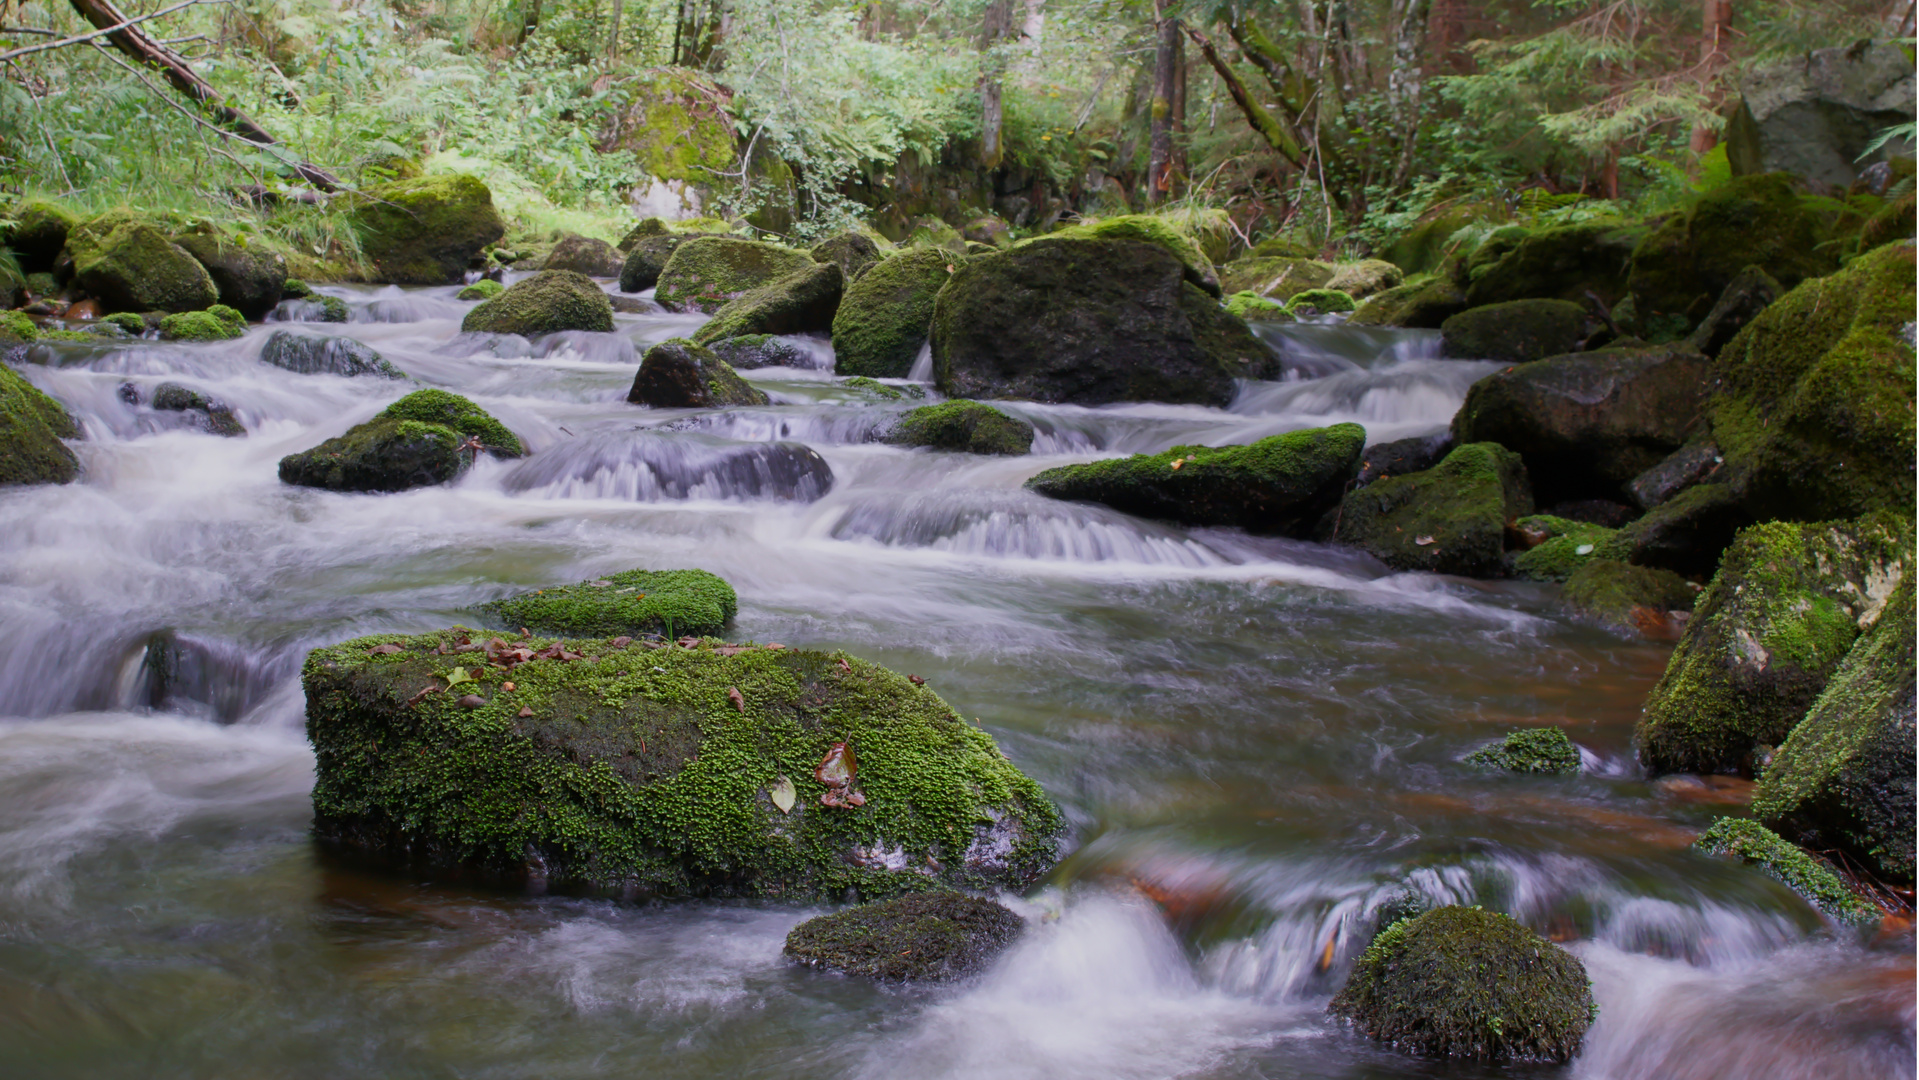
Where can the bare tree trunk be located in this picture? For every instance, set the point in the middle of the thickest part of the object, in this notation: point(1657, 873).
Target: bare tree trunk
point(996, 24)
point(1406, 85)
point(1033, 26)
point(1159, 170)
point(1181, 170)
point(1715, 17)
point(143, 49)
point(613, 37)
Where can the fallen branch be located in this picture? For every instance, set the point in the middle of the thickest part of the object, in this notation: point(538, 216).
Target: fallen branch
point(78, 38)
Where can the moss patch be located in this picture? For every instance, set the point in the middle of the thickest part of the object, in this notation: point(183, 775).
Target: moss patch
point(200, 326)
point(1319, 302)
point(885, 316)
point(548, 302)
point(383, 454)
point(705, 272)
point(484, 289)
point(967, 426)
point(1516, 331)
point(928, 937)
point(132, 266)
point(1683, 266)
point(1756, 845)
point(1535, 750)
point(1569, 546)
point(1420, 304)
point(671, 602)
point(1152, 230)
point(1255, 308)
point(31, 427)
point(1449, 519)
point(676, 128)
point(459, 414)
point(803, 301)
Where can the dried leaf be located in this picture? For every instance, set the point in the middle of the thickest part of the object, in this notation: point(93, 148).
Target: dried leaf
point(774, 645)
point(784, 795)
point(916, 680)
point(383, 650)
point(601, 584)
point(472, 701)
point(421, 696)
point(846, 667)
point(507, 686)
point(1423, 541)
point(525, 712)
point(733, 695)
point(621, 642)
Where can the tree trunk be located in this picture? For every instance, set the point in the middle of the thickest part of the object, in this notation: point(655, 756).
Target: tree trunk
point(1159, 170)
point(1406, 85)
point(1263, 123)
point(613, 37)
point(1715, 17)
point(144, 50)
point(994, 27)
point(1181, 171)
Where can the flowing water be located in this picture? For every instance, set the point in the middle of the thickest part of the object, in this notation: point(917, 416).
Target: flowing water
point(1257, 743)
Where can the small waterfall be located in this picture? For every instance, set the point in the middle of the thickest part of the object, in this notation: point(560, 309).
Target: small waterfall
point(922, 369)
point(647, 466)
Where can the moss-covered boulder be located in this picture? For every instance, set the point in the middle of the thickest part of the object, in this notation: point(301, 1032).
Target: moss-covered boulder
point(39, 232)
point(1515, 332)
point(425, 231)
point(1449, 519)
point(1277, 278)
point(1460, 982)
point(1147, 229)
point(1897, 220)
point(1695, 463)
point(1556, 548)
point(1628, 599)
point(249, 278)
point(31, 427)
point(705, 272)
point(1760, 847)
point(1587, 424)
point(970, 427)
point(748, 351)
point(313, 354)
point(647, 257)
point(920, 938)
point(1088, 322)
point(853, 252)
point(1813, 401)
point(1366, 277)
point(678, 374)
point(1319, 302)
point(1685, 534)
point(673, 603)
point(453, 411)
point(1534, 750)
point(1438, 237)
point(483, 289)
point(132, 266)
point(1425, 304)
point(1281, 484)
point(584, 255)
point(1683, 266)
point(382, 454)
point(800, 302)
point(1843, 779)
point(885, 316)
point(547, 302)
point(217, 323)
point(672, 124)
point(1765, 636)
point(715, 770)
point(1255, 308)
point(1561, 263)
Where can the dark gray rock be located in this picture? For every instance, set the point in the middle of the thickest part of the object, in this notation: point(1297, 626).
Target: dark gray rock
point(315, 355)
point(1814, 115)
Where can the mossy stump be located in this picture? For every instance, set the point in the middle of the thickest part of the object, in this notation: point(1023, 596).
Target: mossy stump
point(967, 426)
point(618, 766)
point(675, 603)
point(923, 938)
point(1460, 982)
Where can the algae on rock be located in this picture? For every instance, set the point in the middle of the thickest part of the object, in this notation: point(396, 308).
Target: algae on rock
point(676, 603)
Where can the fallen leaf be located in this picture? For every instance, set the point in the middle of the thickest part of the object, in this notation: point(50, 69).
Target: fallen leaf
point(784, 795)
point(421, 696)
point(472, 701)
point(601, 584)
point(1177, 462)
point(846, 667)
point(457, 677)
point(525, 712)
point(621, 642)
point(916, 680)
point(774, 645)
point(733, 695)
point(1423, 541)
point(383, 650)
point(1583, 549)
point(507, 686)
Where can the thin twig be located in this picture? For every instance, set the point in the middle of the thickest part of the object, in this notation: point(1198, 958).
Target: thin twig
point(114, 29)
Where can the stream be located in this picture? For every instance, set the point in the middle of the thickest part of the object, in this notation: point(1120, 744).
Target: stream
point(1257, 743)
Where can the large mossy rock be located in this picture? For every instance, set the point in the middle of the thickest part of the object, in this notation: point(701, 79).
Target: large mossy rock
point(647, 257)
point(1765, 637)
point(1775, 856)
point(1628, 599)
point(1088, 322)
point(583, 255)
point(853, 252)
point(677, 374)
point(425, 231)
point(1449, 519)
point(548, 302)
point(1843, 780)
point(1460, 982)
point(39, 232)
point(1561, 263)
point(1365, 278)
point(1587, 424)
point(31, 427)
point(705, 272)
point(1275, 277)
point(921, 938)
point(971, 427)
point(801, 302)
point(885, 316)
point(1813, 403)
point(673, 603)
point(1682, 267)
point(424, 438)
point(1515, 332)
point(249, 279)
point(1147, 229)
point(1417, 305)
point(1281, 484)
point(132, 266)
point(311, 354)
point(669, 771)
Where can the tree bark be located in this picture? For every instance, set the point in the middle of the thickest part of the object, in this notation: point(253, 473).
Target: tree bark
point(1406, 85)
point(143, 49)
point(994, 27)
point(613, 37)
point(1181, 171)
point(1159, 171)
point(1715, 18)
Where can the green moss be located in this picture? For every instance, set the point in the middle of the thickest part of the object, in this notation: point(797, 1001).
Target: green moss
point(1255, 308)
point(671, 602)
point(1564, 263)
point(648, 770)
point(1449, 519)
point(1535, 750)
point(801, 302)
point(295, 289)
point(1894, 221)
point(134, 267)
point(547, 302)
point(127, 321)
point(1626, 598)
point(1570, 545)
point(1281, 484)
point(884, 317)
point(39, 231)
point(484, 289)
point(31, 427)
point(1422, 303)
point(931, 936)
point(705, 272)
point(853, 252)
point(228, 315)
point(967, 426)
point(1153, 230)
point(1319, 302)
point(15, 326)
point(1756, 845)
point(1275, 278)
point(1459, 982)
point(1683, 266)
point(425, 230)
point(1515, 332)
point(332, 309)
point(383, 454)
point(458, 414)
point(676, 127)
point(872, 388)
point(200, 326)
point(1365, 277)
point(1764, 638)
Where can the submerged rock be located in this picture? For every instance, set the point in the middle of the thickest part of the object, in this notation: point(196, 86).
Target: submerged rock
point(800, 302)
point(675, 603)
point(1460, 982)
point(1629, 599)
point(920, 938)
point(424, 231)
point(31, 427)
point(677, 374)
point(885, 316)
point(1449, 519)
point(1843, 780)
point(967, 426)
point(1535, 750)
point(548, 302)
point(316, 355)
point(1765, 637)
point(1281, 484)
point(1757, 846)
point(215, 416)
point(705, 272)
point(1515, 332)
point(428, 437)
point(1088, 322)
point(616, 766)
